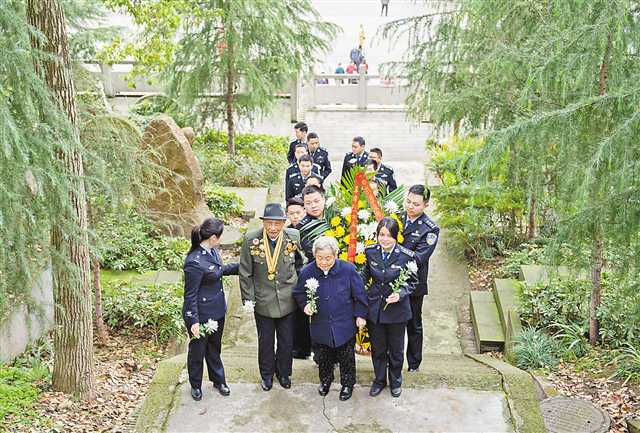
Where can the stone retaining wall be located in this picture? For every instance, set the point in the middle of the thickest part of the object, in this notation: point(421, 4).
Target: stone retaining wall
point(27, 322)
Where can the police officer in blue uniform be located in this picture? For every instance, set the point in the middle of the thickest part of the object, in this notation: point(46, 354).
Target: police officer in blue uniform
point(300, 129)
point(319, 155)
point(384, 173)
point(389, 311)
point(357, 156)
point(299, 151)
point(341, 305)
point(204, 305)
point(296, 182)
point(420, 235)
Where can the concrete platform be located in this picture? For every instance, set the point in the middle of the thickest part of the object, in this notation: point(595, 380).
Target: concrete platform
point(253, 199)
point(486, 321)
point(301, 409)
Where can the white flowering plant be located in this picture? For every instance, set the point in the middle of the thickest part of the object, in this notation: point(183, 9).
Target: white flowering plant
point(312, 286)
point(248, 306)
point(208, 328)
point(411, 268)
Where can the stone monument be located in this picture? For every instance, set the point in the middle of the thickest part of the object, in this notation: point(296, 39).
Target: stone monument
point(180, 204)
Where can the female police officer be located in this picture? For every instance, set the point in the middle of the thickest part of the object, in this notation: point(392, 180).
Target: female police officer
point(204, 305)
point(389, 310)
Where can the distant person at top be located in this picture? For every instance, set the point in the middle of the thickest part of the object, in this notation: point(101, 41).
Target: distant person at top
point(356, 56)
point(361, 37)
point(300, 129)
point(351, 70)
point(339, 70)
point(385, 8)
point(363, 68)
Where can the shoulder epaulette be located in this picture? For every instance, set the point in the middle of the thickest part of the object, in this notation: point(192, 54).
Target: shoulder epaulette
point(407, 251)
point(430, 222)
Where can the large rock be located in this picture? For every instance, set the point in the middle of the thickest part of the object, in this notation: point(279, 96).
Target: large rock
point(181, 203)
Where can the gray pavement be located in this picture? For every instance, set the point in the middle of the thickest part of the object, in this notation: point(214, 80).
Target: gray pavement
point(301, 409)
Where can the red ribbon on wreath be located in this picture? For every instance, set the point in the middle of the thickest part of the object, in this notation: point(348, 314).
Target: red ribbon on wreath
point(361, 182)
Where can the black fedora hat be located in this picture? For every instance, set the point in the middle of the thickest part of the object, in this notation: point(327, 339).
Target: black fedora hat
point(273, 211)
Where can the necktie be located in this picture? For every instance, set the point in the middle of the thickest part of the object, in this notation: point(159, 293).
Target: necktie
point(385, 256)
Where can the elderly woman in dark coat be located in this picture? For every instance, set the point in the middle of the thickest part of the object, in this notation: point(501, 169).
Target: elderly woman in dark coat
point(331, 292)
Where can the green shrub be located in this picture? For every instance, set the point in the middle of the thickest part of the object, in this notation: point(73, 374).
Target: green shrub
point(222, 204)
point(560, 301)
point(572, 339)
point(129, 241)
point(19, 392)
point(525, 254)
point(483, 217)
point(260, 159)
point(534, 349)
point(619, 312)
point(628, 364)
point(149, 107)
point(156, 308)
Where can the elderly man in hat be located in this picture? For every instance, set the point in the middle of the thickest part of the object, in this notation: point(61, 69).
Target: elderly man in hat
point(269, 258)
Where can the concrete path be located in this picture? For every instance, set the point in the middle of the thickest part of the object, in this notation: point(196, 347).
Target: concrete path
point(301, 409)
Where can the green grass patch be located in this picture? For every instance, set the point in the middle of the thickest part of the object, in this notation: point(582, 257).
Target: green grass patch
point(19, 391)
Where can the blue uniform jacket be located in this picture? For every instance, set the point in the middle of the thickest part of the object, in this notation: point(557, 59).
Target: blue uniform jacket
point(293, 180)
point(321, 159)
point(351, 160)
point(203, 295)
point(341, 298)
point(378, 277)
point(385, 177)
point(421, 237)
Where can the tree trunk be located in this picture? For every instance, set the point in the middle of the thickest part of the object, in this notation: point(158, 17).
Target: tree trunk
point(597, 252)
point(531, 227)
point(101, 328)
point(456, 127)
point(73, 339)
point(231, 128)
point(597, 262)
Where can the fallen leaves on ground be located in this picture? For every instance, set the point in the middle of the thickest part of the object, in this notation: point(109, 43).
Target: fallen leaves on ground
point(124, 368)
point(612, 395)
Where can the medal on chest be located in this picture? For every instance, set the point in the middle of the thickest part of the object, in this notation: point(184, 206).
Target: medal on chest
point(272, 258)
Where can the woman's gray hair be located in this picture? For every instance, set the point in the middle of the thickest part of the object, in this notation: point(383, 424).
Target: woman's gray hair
point(325, 243)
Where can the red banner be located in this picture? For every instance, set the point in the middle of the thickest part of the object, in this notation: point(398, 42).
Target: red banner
point(361, 182)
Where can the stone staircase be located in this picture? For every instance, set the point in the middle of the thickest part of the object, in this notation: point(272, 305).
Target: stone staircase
point(494, 314)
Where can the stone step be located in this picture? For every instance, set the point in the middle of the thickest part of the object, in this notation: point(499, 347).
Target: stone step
point(450, 371)
point(486, 321)
point(534, 274)
point(253, 199)
point(505, 294)
point(161, 277)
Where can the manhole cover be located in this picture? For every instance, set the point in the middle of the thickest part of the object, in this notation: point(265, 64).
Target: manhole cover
point(569, 415)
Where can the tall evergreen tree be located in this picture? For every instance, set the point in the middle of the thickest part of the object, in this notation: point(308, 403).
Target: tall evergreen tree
point(553, 86)
point(73, 337)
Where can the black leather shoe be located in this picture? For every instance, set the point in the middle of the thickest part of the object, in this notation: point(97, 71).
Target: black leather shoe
point(345, 393)
point(285, 382)
point(412, 370)
point(376, 389)
point(196, 394)
point(395, 392)
point(222, 388)
point(323, 389)
point(266, 384)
